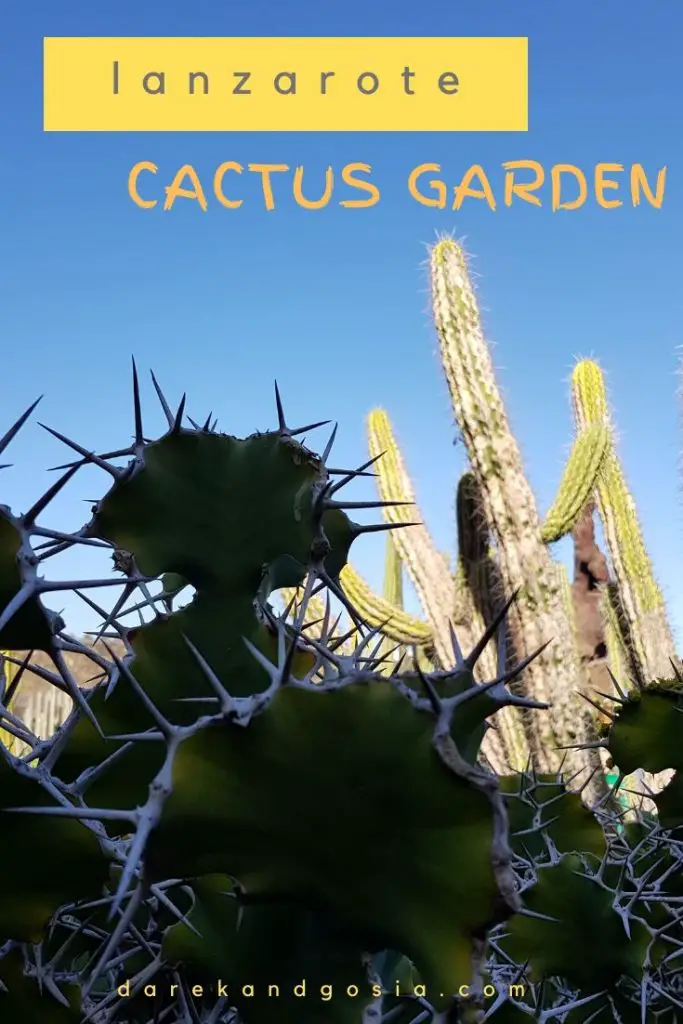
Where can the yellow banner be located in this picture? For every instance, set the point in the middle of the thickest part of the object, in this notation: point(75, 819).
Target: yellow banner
point(298, 84)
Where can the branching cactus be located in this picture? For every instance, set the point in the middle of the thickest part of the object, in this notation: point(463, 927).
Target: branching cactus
point(237, 803)
point(242, 823)
point(507, 509)
point(640, 614)
point(525, 564)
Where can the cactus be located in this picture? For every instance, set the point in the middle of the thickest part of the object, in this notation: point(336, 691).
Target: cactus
point(392, 591)
point(600, 621)
point(206, 753)
point(425, 565)
point(237, 806)
point(508, 510)
point(7, 673)
point(640, 614)
point(450, 601)
point(393, 575)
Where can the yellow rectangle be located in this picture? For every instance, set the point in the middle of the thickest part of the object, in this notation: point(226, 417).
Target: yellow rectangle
point(423, 85)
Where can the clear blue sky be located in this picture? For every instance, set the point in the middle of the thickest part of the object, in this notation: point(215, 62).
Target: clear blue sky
point(334, 303)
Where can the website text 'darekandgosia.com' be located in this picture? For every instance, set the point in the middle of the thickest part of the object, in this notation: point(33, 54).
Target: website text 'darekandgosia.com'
point(303, 990)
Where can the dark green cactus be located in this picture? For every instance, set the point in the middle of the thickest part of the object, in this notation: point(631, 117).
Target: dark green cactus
point(207, 749)
point(242, 804)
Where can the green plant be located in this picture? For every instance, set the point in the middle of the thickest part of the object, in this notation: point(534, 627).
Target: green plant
point(239, 804)
point(637, 609)
point(7, 690)
point(503, 545)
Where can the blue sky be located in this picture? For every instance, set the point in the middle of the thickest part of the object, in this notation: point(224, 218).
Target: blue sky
point(334, 303)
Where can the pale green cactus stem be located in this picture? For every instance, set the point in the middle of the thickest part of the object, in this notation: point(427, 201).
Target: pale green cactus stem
point(398, 626)
point(538, 617)
point(505, 746)
point(392, 592)
point(375, 610)
point(566, 592)
point(8, 671)
point(393, 574)
point(424, 564)
point(585, 462)
point(617, 656)
point(648, 635)
point(477, 576)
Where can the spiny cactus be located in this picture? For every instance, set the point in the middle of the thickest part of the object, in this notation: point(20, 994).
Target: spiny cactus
point(397, 626)
point(425, 565)
point(630, 630)
point(206, 755)
point(448, 599)
point(510, 509)
point(507, 507)
point(640, 614)
point(241, 824)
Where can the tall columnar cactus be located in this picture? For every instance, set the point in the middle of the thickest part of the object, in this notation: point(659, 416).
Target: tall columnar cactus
point(473, 590)
point(508, 505)
point(507, 510)
point(633, 618)
point(640, 614)
point(426, 566)
point(624, 618)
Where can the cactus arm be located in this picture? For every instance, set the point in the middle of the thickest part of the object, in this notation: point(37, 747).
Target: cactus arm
point(375, 610)
point(424, 563)
point(649, 633)
point(393, 575)
point(578, 482)
point(398, 625)
point(393, 593)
